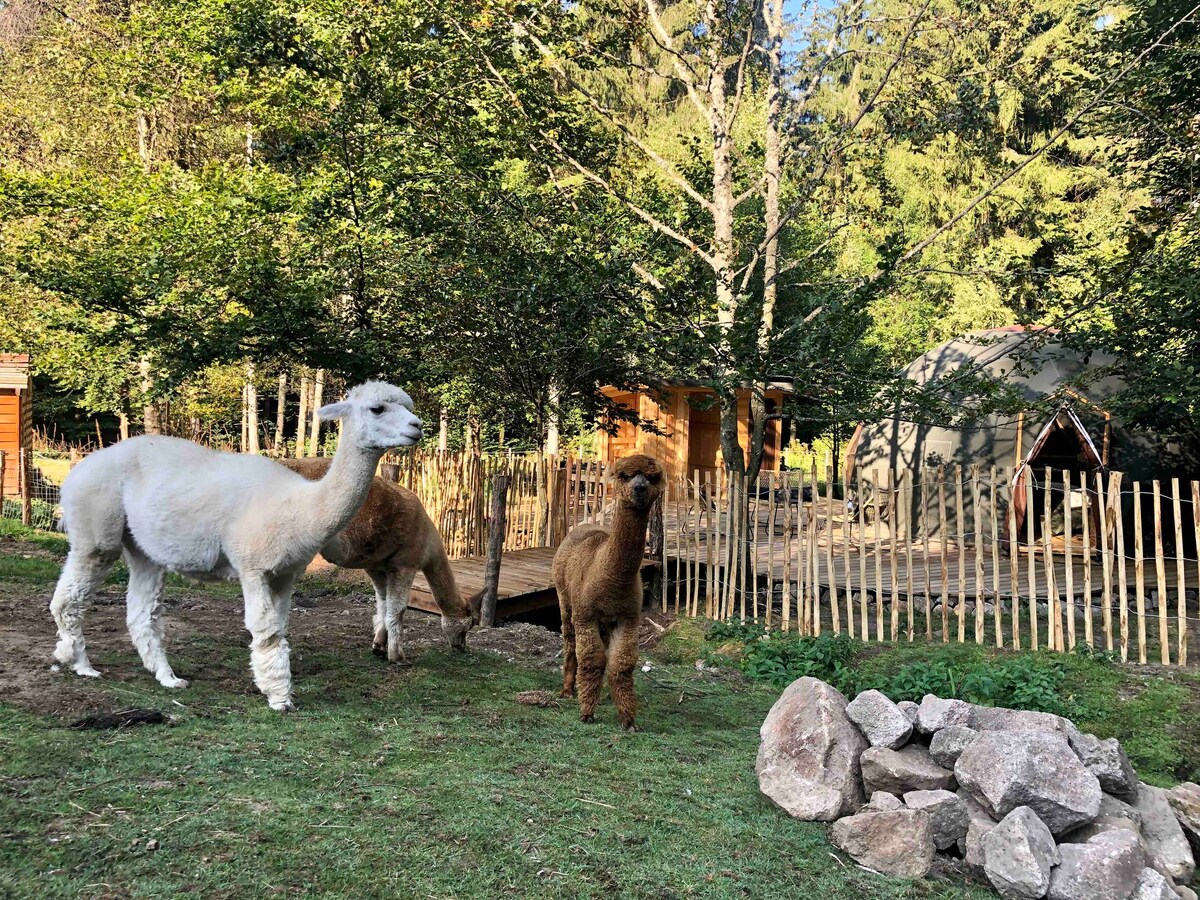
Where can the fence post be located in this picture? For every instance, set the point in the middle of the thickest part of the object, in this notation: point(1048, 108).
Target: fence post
point(26, 494)
point(491, 570)
point(657, 546)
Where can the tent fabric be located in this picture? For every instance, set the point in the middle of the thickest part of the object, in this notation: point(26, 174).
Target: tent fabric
point(1066, 425)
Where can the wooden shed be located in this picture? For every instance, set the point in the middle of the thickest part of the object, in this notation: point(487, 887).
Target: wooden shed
point(16, 418)
point(689, 418)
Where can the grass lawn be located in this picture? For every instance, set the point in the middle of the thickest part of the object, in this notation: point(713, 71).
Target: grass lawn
point(424, 781)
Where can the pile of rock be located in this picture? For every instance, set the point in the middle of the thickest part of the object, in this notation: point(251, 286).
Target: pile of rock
point(1022, 798)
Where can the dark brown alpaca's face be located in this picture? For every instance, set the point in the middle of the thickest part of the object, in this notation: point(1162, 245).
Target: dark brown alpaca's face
point(637, 481)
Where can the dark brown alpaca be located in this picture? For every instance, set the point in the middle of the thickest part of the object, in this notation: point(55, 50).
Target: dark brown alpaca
point(597, 572)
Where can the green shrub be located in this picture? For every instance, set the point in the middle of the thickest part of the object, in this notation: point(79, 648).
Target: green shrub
point(781, 658)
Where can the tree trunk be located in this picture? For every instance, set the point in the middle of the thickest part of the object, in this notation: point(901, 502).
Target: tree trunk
point(251, 411)
point(150, 419)
point(243, 440)
point(302, 424)
point(474, 434)
point(552, 421)
point(318, 400)
point(280, 410)
point(444, 430)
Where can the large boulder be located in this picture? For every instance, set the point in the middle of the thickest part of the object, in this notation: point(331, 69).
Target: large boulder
point(947, 815)
point(1089, 830)
point(934, 714)
point(1038, 769)
point(949, 743)
point(979, 824)
point(808, 757)
point(904, 770)
point(1185, 800)
point(997, 718)
point(896, 842)
point(1112, 808)
point(1166, 847)
point(909, 709)
point(1018, 855)
point(1105, 868)
point(1152, 885)
point(880, 720)
point(1108, 762)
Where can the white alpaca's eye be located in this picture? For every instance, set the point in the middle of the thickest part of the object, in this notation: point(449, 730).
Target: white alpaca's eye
point(378, 410)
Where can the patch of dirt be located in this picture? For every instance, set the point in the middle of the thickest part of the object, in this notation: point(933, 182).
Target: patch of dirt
point(322, 619)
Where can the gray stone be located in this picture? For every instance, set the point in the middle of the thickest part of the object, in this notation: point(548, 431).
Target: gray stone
point(897, 842)
point(904, 770)
point(1185, 800)
point(880, 720)
point(1108, 762)
point(808, 757)
point(997, 718)
point(1185, 893)
point(1089, 830)
point(1105, 868)
point(934, 714)
point(949, 743)
point(1166, 846)
point(1018, 855)
point(980, 823)
point(909, 709)
point(1151, 885)
point(1112, 808)
point(882, 801)
point(947, 815)
point(1007, 769)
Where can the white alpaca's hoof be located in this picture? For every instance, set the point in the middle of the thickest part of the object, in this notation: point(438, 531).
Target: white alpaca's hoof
point(173, 682)
point(286, 706)
point(86, 671)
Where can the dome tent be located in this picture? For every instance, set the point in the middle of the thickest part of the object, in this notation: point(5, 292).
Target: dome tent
point(1065, 426)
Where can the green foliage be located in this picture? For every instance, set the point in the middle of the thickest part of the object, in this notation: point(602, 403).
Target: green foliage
point(780, 658)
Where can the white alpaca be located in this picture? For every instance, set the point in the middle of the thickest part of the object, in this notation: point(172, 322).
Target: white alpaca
point(167, 504)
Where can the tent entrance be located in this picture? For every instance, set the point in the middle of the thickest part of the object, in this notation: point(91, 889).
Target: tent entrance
point(1062, 445)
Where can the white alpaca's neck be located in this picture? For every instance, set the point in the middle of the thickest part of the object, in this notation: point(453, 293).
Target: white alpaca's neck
point(338, 496)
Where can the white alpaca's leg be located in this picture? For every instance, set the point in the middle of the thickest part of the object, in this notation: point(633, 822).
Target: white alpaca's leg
point(380, 634)
point(83, 572)
point(267, 609)
point(399, 587)
point(144, 616)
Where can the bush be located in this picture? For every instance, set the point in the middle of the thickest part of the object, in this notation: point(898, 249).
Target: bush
point(781, 658)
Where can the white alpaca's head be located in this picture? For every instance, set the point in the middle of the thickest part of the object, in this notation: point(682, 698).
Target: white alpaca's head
point(377, 416)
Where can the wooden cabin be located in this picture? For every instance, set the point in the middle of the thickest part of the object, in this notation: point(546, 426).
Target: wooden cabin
point(16, 418)
point(689, 417)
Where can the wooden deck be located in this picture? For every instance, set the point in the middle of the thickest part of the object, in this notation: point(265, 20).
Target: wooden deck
point(525, 583)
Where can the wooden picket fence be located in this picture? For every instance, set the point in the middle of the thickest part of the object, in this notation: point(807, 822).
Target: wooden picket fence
point(944, 554)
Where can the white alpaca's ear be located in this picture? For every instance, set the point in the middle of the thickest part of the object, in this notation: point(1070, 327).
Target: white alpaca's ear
point(333, 411)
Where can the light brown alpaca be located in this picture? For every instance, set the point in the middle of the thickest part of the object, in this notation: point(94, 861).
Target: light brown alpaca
point(393, 538)
point(597, 572)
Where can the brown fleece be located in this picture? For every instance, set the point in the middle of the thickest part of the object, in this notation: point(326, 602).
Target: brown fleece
point(597, 572)
point(393, 535)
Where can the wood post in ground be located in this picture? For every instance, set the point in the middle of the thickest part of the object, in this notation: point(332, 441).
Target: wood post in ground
point(302, 421)
point(280, 411)
point(657, 543)
point(495, 550)
point(24, 479)
point(318, 400)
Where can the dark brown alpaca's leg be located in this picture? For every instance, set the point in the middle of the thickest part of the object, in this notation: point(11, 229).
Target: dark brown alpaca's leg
point(622, 658)
point(592, 661)
point(569, 659)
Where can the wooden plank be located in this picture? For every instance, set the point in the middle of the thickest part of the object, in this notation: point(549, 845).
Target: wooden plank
point(960, 528)
point(976, 500)
point(943, 530)
point(925, 555)
point(1180, 581)
point(1160, 572)
point(1122, 583)
point(1106, 562)
point(997, 627)
point(816, 556)
point(1030, 559)
point(1068, 559)
point(895, 530)
point(878, 566)
point(786, 619)
point(846, 525)
point(1089, 630)
point(772, 503)
point(1139, 570)
point(908, 550)
point(835, 614)
point(1054, 630)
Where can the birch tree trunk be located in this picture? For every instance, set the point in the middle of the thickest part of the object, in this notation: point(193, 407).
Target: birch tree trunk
point(150, 419)
point(280, 410)
point(318, 401)
point(252, 443)
point(444, 430)
point(302, 423)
